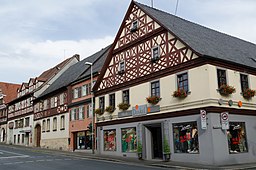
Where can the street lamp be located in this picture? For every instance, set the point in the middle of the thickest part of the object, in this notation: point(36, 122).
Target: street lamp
point(89, 63)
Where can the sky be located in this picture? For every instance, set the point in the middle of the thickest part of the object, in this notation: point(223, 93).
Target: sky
point(36, 35)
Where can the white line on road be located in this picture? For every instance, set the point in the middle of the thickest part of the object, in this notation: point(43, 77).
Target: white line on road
point(14, 153)
point(9, 157)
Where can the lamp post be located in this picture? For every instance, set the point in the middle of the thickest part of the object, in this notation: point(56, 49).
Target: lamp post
point(89, 63)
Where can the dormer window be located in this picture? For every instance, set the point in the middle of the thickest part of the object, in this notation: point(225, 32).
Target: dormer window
point(121, 67)
point(134, 26)
point(155, 54)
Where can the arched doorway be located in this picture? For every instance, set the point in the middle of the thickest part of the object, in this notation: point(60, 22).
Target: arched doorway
point(38, 135)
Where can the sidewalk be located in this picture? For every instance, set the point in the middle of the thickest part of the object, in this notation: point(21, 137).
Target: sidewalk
point(135, 161)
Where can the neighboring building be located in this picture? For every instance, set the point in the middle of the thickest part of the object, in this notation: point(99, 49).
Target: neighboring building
point(20, 110)
point(8, 92)
point(161, 73)
point(54, 118)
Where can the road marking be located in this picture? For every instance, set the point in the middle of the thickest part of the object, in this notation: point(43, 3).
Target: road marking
point(14, 153)
point(29, 161)
point(9, 157)
point(18, 162)
point(9, 163)
point(41, 160)
point(48, 160)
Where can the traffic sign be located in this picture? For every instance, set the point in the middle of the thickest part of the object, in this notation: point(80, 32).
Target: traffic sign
point(203, 119)
point(224, 120)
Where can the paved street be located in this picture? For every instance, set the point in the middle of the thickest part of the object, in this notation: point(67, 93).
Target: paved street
point(27, 159)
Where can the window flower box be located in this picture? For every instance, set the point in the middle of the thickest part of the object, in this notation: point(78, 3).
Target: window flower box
point(98, 111)
point(110, 109)
point(153, 99)
point(180, 93)
point(226, 90)
point(248, 93)
point(123, 106)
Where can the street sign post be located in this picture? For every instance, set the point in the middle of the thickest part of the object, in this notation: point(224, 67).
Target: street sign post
point(203, 119)
point(224, 120)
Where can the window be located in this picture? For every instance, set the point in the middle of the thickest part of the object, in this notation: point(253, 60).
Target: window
point(18, 138)
point(88, 111)
point(84, 91)
point(22, 138)
point(54, 127)
point(221, 75)
point(48, 125)
point(73, 114)
point(185, 137)
point(102, 104)
point(155, 89)
point(75, 93)
point(134, 26)
point(183, 81)
point(26, 121)
point(14, 139)
point(155, 53)
point(43, 127)
point(55, 101)
point(109, 140)
point(112, 100)
point(126, 97)
point(236, 134)
point(244, 82)
point(129, 143)
point(81, 113)
point(62, 122)
point(121, 67)
point(46, 105)
point(62, 99)
point(52, 102)
point(21, 123)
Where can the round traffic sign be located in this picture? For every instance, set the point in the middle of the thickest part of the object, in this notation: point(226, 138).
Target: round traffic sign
point(224, 116)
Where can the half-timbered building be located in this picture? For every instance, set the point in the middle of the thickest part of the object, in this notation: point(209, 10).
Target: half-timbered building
point(58, 128)
point(8, 92)
point(179, 86)
point(21, 109)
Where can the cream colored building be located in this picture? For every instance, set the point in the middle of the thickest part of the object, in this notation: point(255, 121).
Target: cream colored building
point(188, 88)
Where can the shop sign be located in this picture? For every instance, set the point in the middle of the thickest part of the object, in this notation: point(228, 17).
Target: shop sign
point(139, 110)
point(224, 120)
point(203, 119)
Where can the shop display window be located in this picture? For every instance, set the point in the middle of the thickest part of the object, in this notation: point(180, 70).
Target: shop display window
point(185, 137)
point(110, 140)
point(129, 142)
point(236, 135)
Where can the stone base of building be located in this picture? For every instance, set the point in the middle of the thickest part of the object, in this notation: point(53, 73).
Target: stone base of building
point(58, 144)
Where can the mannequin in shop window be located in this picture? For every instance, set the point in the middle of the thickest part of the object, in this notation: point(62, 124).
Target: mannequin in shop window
point(194, 140)
point(234, 139)
point(183, 139)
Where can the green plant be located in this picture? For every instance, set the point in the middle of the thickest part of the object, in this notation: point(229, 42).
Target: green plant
point(181, 93)
point(166, 146)
point(248, 93)
point(139, 147)
point(153, 99)
point(98, 111)
point(123, 106)
point(110, 109)
point(226, 89)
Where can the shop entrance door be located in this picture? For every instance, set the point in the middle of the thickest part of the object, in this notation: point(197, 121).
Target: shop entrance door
point(156, 133)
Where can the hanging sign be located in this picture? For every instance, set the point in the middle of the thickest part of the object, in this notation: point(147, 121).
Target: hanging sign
point(203, 119)
point(224, 120)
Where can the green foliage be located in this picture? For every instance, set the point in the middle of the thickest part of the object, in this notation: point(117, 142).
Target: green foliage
point(123, 106)
point(139, 147)
point(98, 111)
point(166, 146)
point(110, 109)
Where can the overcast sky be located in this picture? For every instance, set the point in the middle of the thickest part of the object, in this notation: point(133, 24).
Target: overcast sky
point(35, 35)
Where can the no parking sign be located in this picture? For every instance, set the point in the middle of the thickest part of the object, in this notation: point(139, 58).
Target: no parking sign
point(224, 120)
point(203, 119)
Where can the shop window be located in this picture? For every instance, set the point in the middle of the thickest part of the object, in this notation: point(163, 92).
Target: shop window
point(185, 137)
point(237, 142)
point(244, 82)
point(112, 100)
point(54, 124)
point(62, 122)
point(129, 142)
point(126, 97)
point(155, 89)
point(110, 140)
point(222, 79)
point(183, 81)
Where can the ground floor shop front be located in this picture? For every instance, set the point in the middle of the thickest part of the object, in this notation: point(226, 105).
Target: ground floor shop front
point(188, 138)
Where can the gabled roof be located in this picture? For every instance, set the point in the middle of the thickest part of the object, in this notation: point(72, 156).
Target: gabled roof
point(78, 71)
point(205, 41)
point(10, 90)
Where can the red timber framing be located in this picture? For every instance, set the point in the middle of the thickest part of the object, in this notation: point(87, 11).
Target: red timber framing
point(134, 48)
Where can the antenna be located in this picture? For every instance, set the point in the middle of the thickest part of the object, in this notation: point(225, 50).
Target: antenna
point(152, 3)
point(176, 9)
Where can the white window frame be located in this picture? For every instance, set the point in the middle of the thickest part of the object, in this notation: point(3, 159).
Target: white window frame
point(153, 57)
point(119, 66)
